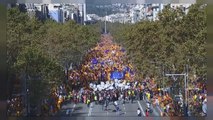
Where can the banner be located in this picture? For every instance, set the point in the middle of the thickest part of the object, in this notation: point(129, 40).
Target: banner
point(117, 75)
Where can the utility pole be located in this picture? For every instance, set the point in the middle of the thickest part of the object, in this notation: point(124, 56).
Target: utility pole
point(26, 88)
point(25, 93)
point(85, 13)
point(187, 76)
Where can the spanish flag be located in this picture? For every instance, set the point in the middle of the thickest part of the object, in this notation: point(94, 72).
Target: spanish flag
point(108, 76)
point(130, 66)
point(127, 75)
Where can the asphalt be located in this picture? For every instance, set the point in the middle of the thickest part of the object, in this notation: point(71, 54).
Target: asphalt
point(128, 111)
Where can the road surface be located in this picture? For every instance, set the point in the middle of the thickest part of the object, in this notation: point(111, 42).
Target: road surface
point(127, 111)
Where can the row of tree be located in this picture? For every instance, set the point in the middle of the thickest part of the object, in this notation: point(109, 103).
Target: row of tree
point(39, 52)
point(173, 41)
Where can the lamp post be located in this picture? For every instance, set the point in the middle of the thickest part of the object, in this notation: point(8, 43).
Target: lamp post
point(185, 90)
point(27, 98)
point(26, 90)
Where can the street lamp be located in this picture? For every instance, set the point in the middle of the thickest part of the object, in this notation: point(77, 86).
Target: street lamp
point(185, 89)
point(27, 98)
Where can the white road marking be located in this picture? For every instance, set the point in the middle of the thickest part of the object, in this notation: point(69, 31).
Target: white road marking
point(124, 112)
point(73, 109)
point(155, 112)
point(90, 109)
point(124, 109)
point(141, 108)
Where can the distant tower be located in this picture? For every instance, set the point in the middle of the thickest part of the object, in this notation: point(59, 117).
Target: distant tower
point(105, 31)
point(82, 14)
point(44, 11)
point(85, 13)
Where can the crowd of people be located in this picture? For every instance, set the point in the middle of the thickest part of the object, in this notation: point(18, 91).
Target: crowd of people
point(137, 91)
point(52, 105)
point(198, 99)
point(99, 65)
point(145, 90)
point(15, 106)
point(102, 60)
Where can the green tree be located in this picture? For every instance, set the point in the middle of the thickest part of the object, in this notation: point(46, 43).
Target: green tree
point(176, 39)
point(40, 71)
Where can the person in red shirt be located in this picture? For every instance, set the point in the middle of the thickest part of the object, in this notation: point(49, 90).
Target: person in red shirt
point(147, 113)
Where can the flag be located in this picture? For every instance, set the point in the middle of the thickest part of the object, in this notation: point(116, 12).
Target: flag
point(94, 61)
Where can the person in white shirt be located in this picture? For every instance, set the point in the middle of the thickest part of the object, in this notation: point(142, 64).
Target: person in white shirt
point(115, 103)
point(116, 106)
point(139, 112)
point(167, 108)
point(204, 107)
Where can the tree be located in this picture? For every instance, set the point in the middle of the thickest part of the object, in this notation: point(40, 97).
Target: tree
point(68, 42)
point(17, 29)
point(40, 71)
point(176, 39)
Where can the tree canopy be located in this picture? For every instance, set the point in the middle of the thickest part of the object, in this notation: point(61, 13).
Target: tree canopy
point(176, 39)
point(42, 50)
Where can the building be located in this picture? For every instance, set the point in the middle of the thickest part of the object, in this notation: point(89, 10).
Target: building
point(55, 12)
point(38, 10)
point(150, 11)
point(184, 7)
point(64, 12)
point(135, 15)
point(58, 12)
point(126, 13)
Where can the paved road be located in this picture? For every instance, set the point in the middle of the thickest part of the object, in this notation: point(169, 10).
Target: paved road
point(127, 111)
